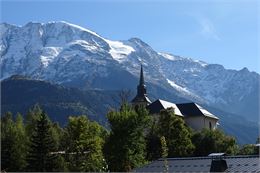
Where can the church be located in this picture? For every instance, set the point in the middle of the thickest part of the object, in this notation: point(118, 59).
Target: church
point(194, 115)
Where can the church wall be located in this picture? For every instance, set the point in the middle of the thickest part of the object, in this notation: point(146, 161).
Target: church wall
point(200, 122)
point(195, 122)
point(212, 121)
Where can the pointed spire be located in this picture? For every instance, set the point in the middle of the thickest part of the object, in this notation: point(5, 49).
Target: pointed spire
point(141, 82)
point(141, 97)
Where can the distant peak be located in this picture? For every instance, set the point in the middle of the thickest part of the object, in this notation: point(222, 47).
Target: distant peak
point(244, 69)
point(58, 23)
point(138, 42)
point(74, 26)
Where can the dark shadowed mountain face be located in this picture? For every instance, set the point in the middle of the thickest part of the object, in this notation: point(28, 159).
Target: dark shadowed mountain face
point(20, 93)
point(70, 55)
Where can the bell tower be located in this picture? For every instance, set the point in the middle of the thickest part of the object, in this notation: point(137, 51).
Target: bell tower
point(141, 97)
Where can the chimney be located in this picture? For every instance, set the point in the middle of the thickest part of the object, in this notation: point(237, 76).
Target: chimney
point(218, 164)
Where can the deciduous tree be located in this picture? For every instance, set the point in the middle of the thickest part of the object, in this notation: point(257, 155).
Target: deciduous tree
point(176, 133)
point(125, 146)
point(84, 141)
point(211, 141)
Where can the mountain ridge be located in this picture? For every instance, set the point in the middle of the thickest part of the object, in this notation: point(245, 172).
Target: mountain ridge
point(70, 55)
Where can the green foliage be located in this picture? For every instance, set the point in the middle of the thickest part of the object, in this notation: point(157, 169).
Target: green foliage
point(84, 142)
point(31, 119)
point(42, 146)
point(13, 143)
point(164, 153)
point(125, 146)
point(83, 145)
point(248, 149)
point(176, 133)
point(212, 141)
point(153, 143)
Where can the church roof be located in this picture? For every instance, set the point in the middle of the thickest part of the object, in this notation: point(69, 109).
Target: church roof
point(159, 104)
point(143, 98)
point(193, 109)
point(203, 164)
point(184, 109)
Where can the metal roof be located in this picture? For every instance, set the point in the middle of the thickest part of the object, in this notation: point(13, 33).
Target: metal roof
point(159, 104)
point(192, 109)
point(184, 109)
point(203, 164)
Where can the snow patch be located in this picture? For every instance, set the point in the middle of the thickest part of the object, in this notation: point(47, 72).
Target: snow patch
point(48, 54)
point(203, 64)
point(119, 51)
point(179, 88)
point(167, 56)
point(84, 44)
point(78, 27)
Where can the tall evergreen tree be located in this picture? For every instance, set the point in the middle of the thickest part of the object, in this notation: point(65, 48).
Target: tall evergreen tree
point(31, 119)
point(40, 157)
point(7, 141)
point(125, 146)
point(14, 143)
point(20, 145)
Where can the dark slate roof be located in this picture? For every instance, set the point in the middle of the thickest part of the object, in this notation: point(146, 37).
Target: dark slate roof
point(203, 164)
point(183, 109)
point(159, 104)
point(139, 99)
point(193, 109)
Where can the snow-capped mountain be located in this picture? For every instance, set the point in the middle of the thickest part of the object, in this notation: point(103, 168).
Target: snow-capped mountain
point(68, 54)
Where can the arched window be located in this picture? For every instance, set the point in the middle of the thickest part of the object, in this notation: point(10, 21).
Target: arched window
point(210, 126)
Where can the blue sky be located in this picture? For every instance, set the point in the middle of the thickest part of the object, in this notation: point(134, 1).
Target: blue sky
point(217, 31)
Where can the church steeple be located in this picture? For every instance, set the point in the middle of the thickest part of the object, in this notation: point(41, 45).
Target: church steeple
point(141, 88)
point(141, 97)
point(141, 82)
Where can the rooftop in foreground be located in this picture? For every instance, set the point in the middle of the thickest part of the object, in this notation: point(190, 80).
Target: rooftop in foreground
point(203, 164)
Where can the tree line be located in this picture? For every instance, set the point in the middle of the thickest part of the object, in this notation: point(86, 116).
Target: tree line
point(134, 139)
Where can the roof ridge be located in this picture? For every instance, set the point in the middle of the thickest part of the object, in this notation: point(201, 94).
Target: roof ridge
point(210, 157)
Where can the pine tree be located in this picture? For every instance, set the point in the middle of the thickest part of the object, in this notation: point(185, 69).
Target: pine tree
point(7, 141)
point(40, 157)
point(14, 143)
point(20, 145)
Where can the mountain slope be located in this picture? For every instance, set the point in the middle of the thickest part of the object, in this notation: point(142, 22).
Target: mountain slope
point(20, 93)
point(70, 55)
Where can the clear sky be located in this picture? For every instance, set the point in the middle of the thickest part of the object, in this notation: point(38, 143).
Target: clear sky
point(216, 31)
